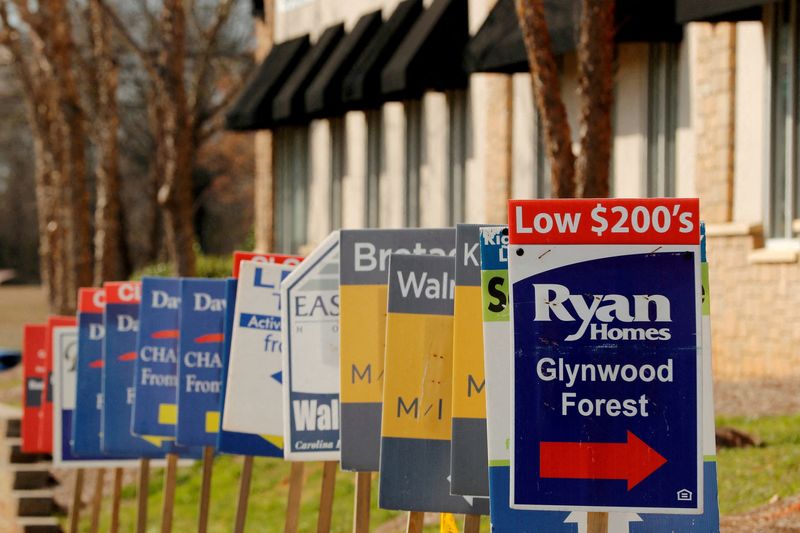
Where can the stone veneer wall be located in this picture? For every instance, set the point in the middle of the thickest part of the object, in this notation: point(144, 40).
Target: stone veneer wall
point(755, 306)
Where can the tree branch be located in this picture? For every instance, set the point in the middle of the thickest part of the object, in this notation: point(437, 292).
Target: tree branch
point(149, 63)
point(204, 61)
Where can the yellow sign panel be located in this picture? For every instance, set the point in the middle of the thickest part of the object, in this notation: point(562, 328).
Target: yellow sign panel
point(418, 390)
point(469, 400)
point(362, 340)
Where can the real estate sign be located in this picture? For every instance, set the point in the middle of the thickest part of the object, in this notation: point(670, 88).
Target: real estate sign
point(310, 330)
point(363, 291)
point(607, 367)
point(470, 475)
point(416, 430)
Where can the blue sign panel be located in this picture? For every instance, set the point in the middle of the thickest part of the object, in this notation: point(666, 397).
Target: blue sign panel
point(121, 318)
point(202, 315)
point(234, 442)
point(606, 376)
point(89, 397)
point(155, 411)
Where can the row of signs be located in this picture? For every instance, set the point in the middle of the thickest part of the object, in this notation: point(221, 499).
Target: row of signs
point(542, 370)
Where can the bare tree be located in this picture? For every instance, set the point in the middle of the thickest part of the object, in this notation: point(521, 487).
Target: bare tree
point(108, 236)
point(183, 108)
point(588, 173)
point(44, 63)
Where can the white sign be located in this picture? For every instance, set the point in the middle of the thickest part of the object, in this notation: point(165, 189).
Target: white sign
point(311, 356)
point(254, 390)
point(65, 366)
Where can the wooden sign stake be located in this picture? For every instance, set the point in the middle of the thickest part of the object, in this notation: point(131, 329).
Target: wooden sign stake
point(244, 494)
point(293, 503)
point(116, 496)
point(142, 494)
point(97, 500)
point(77, 493)
point(205, 488)
point(363, 502)
point(416, 522)
point(597, 523)
point(169, 493)
point(472, 523)
point(326, 496)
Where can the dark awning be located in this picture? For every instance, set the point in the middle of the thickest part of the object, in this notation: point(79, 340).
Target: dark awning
point(719, 10)
point(289, 104)
point(253, 109)
point(498, 44)
point(430, 55)
point(362, 85)
point(324, 94)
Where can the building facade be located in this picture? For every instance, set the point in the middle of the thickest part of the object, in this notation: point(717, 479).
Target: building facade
point(706, 104)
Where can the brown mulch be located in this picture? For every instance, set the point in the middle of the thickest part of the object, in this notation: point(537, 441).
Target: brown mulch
point(778, 517)
point(755, 398)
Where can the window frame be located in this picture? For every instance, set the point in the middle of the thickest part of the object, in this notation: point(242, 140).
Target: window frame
point(782, 165)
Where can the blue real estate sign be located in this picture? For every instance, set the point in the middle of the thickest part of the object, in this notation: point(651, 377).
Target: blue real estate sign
point(607, 342)
point(121, 318)
point(155, 410)
point(202, 318)
point(89, 397)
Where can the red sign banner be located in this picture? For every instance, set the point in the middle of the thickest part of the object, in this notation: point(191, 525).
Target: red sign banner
point(34, 375)
point(605, 221)
point(278, 259)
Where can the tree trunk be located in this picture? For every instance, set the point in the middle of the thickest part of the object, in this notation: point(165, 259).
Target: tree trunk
point(596, 82)
point(108, 265)
point(547, 93)
point(175, 193)
point(72, 176)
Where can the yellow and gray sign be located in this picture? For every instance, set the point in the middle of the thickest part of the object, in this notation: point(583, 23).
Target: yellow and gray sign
point(418, 381)
point(470, 474)
point(363, 277)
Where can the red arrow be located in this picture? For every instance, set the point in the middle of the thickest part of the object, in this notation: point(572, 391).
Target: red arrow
point(632, 461)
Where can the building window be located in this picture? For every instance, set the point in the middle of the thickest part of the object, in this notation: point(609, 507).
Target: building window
point(291, 166)
point(457, 146)
point(783, 196)
point(372, 193)
point(662, 106)
point(413, 161)
point(338, 170)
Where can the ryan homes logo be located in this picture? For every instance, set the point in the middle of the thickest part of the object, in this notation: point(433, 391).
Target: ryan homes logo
point(595, 312)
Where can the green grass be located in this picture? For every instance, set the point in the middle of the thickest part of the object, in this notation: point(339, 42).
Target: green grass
point(749, 477)
point(267, 499)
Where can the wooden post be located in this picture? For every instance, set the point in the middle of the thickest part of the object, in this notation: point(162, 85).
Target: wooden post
point(97, 500)
point(169, 493)
point(293, 503)
point(472, 523)
point(142, 494)
point(77, 493)
point(116, 495)
point(205, 488)
point(597, 523)
point(363, 502)
point(326, 496)
point(416, 522)
point(244, 494)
